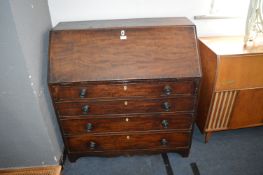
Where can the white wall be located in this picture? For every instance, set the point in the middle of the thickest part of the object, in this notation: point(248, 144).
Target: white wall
point(78, 10)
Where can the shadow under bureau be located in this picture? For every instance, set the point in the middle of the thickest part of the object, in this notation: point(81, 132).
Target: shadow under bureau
point(123, 87)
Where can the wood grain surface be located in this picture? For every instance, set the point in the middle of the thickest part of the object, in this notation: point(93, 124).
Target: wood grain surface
point(128, 141)
point(135, 89)
point(231, 90)
point(142, 122)
point(126, 106)
point(125, 86)
point(147, 53)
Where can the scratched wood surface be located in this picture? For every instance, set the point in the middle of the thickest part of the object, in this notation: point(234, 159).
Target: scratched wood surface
point(147, 53)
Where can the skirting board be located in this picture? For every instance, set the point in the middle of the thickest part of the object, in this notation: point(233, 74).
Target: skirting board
point(46, 170)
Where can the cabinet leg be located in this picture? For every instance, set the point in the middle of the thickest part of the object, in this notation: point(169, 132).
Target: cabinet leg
point(72, 158)
point(184, 153)
point(207, 136)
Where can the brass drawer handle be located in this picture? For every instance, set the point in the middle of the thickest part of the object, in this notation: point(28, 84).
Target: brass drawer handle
point(85, 109)
point(89, 126)
point(166, 106)
point(165, 124)
point(164, 142)
point(167, 90)
point(92, 145)
point(82, 93)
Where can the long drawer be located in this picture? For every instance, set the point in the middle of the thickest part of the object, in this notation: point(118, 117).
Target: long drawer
point(141, 122)
point(152, 140)
point(140, 89)
point(126, 106)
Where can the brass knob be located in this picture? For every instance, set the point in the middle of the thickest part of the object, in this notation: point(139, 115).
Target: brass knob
point(166, 106)
point(164, 142)
point(82, 93)
point(89, 127)
point(85, 109)
point(92, 145)
point(165, 123)
point(167, 90)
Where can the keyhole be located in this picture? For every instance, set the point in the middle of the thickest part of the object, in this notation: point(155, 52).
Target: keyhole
point(122, 32)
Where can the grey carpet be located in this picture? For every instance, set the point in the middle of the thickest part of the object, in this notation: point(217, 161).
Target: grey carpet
point(237, 152)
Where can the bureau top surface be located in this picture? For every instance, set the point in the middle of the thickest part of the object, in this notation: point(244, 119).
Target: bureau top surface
point(119, 23)
point(131, 49)
point(232, 45)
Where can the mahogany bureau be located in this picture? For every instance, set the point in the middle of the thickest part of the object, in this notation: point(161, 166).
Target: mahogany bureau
point(231, 94)
point(125, 86)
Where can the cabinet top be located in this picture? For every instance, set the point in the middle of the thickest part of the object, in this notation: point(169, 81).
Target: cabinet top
point(232, 45)
point(159, 48)
point(126, 23)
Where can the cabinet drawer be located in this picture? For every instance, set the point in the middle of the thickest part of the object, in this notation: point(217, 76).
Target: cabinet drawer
point(153, 140)
point(156, 89)
point(240, 72)
point(127, 123)
point(126, 106)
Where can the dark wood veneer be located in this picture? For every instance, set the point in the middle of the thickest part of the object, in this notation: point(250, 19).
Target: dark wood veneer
point(128, 141)
point(143, 122)
point(116, 96)
point(126, 106)
point(138, 89)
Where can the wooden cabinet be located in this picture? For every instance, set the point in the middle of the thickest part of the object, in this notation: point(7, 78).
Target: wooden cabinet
point(125, 86)
point(231, 94)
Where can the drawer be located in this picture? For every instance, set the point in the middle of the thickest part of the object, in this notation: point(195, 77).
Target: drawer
point(127, 123)
point(153, 140)
point(126, 106)
point(156, 89)
point(240, 72)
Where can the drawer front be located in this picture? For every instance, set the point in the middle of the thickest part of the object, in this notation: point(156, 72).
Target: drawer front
point(126, 106)
point(154, 140)
point(127, 123)
point(157, 89)
point(240, 72)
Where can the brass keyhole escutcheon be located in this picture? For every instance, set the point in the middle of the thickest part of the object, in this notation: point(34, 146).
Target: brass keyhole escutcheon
point(125, 88)
point(126, 103)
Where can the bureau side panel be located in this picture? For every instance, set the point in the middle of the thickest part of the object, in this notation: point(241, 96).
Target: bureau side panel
point(240, 72)
point(209, 67)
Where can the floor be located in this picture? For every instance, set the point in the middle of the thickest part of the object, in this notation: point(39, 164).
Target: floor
point(237, 152)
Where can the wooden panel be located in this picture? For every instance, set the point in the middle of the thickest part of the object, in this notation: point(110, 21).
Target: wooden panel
point(44, 170)
point(108, 78)
point(147, 53)
point(184, 151)
point(222, 107)
point(248, 109)
point(127, 141)
point(232, 45)
point(126, 106)
point(240, 72)
point(141, 122)
point(120, 23)
point(153, 89)
point(209, 68)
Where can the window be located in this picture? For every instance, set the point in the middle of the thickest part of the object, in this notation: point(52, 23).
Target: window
point(221, 9)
